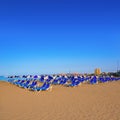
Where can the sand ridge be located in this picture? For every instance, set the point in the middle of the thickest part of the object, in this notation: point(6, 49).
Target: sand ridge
point(85, 102)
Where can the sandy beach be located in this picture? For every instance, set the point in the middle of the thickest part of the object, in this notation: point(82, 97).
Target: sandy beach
point(85, 102)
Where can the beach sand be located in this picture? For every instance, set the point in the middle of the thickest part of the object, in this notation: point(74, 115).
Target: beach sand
point(85, 102)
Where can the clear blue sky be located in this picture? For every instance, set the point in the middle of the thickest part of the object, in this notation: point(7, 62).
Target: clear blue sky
point(54, 36)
